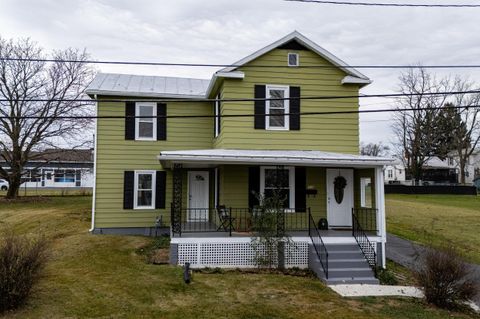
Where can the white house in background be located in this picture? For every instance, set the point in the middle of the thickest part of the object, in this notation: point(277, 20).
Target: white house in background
point(63, 168)
point(437, 171)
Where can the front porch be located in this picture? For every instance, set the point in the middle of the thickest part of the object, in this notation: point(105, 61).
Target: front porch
point(333, 205)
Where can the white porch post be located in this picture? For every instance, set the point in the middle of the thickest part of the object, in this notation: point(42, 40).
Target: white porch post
point(380, 205)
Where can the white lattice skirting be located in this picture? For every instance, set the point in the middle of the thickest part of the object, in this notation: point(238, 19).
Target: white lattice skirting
point(236, 253)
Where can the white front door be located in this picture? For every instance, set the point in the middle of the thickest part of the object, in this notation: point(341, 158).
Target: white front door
point(48, 178)
point(339, 197)
point(198, 195)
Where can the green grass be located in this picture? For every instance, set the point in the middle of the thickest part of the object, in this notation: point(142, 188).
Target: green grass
point(437, 220)
point(99, 276)
point(51, 192)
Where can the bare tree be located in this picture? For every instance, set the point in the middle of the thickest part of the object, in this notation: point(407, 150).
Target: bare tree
point(465, 135)
point(416, 129)
point(33, 96)
point(374, 149)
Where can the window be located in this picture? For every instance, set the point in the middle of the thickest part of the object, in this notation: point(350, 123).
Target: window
point(390, 173)
point(217, 119)
point(283, 179)
point(276, 109)
point(64, 176)
point(293, 59)
point(144, 194)
point(366, 192)
point(145, 128)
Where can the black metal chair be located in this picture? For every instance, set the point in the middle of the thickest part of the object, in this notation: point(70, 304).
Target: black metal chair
point(225, 217)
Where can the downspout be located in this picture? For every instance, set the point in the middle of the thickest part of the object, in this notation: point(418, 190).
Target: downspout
point(94, 167)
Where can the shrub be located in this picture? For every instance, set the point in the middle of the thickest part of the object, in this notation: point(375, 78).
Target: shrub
point(386, 277)
point(21, 260)
point(445, 278)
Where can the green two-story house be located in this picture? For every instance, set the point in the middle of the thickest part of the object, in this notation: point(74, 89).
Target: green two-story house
point(193, 157)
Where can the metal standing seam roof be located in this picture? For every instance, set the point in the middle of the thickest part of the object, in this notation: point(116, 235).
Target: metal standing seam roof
point(272, 157)
point(147, 85)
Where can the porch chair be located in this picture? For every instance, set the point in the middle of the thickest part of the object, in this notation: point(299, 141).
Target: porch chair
point(226, 220)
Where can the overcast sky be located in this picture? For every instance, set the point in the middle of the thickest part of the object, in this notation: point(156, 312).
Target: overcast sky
point(223, 31)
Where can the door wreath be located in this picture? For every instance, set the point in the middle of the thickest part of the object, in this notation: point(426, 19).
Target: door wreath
point(339, 186)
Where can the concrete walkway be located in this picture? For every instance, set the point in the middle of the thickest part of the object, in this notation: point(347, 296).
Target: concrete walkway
point(407, 253)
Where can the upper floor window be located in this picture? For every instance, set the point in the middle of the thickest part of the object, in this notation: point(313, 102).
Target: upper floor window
point(145, 127)
point(390, 173)
point(293, 59)
point(277, 108)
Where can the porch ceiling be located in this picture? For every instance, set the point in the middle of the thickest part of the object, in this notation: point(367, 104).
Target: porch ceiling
point(212, 157)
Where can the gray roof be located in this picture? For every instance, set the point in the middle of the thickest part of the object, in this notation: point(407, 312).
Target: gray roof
point(146, 85)
point(278, 157)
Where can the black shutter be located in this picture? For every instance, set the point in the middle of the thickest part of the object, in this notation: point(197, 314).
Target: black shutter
point(295, 108)
point(129, 120)
point(128, 189)
point(161, 121)
point(160, 189)
point(300, 189)
point(260, 93)
point(253, 186)
point(219, 117)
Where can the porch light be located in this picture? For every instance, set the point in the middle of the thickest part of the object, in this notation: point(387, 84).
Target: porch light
point(311, 191)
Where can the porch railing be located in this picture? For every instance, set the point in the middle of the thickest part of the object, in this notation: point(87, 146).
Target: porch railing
point(231, 219)
point(364, 243)
point(367, 218)
point(318, 245)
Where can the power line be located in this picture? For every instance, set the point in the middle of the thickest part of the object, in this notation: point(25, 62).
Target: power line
point(377, 4)
point(196, 100)
point(240, 115)
point(216, 65)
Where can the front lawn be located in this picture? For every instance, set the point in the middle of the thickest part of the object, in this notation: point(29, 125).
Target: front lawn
point(437, 220)
point(91, 276)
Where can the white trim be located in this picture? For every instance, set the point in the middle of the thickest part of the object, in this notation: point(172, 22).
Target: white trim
point(138, 120)
point(135, 189)
point(380, 205)
point(286, 107)
point(248, 239)
point(94, 193)
point(297, 59)
point(291, 182)
point(230, 75)
point(355, 80)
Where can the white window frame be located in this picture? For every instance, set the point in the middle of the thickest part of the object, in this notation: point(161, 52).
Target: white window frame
point(390, 173)
point(286, 105)
point(291, 183)
point(363, 195)
point(135, 188)
point(288, 59)
point(138, 120)
point(217, 113)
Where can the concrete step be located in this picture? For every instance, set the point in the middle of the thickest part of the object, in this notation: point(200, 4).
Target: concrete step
point(348, 263)
point(348, 254)
point(349, 272)
point(356, 280)
point(342, 247)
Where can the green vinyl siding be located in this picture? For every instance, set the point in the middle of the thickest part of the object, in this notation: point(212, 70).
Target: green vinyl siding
point(334, 133)
point(116, 155)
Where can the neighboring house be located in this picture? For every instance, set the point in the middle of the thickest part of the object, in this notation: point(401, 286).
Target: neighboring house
point(59, 168)
point(437, 171)
point(199, 177)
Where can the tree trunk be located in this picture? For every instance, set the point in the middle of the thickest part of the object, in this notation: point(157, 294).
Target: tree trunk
point(14, 185)
point(462, 171)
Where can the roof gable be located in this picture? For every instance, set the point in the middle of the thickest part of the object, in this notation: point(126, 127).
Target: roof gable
point(297, 41)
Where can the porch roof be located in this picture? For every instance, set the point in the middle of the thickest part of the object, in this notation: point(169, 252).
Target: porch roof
point(211, 157)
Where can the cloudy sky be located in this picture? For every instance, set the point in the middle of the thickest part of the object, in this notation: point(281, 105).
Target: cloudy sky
point(223, 31)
